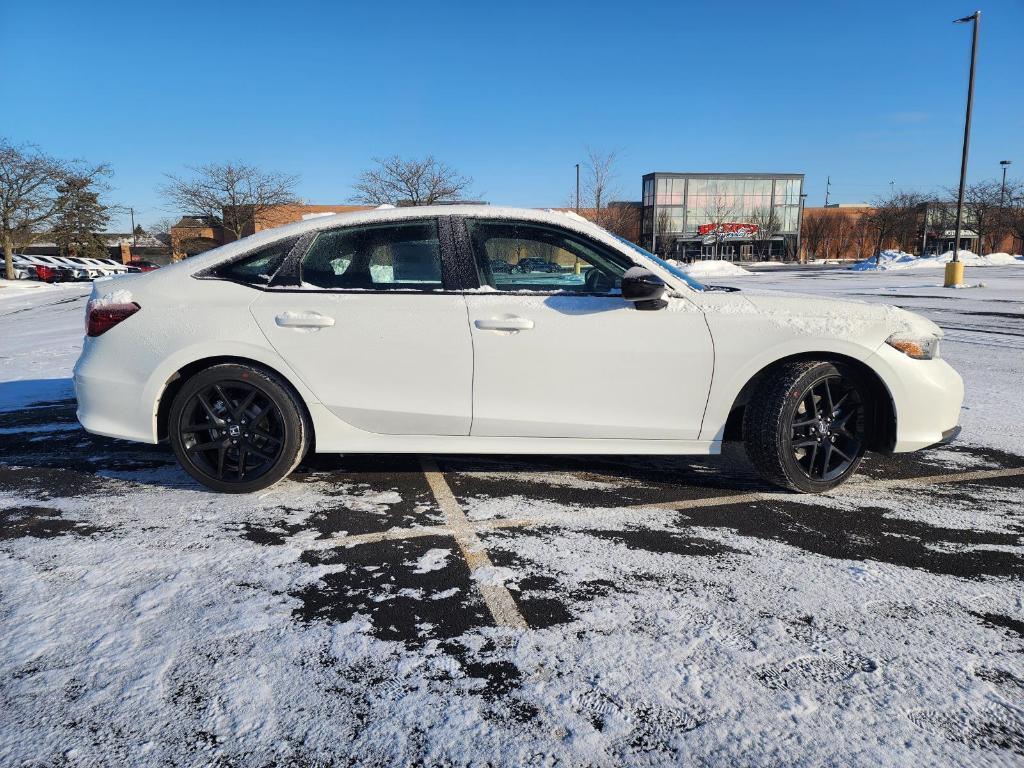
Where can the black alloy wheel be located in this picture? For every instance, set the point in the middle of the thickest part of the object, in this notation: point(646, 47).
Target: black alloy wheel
point(237, 428)
point(826, 432)
point(806, 425)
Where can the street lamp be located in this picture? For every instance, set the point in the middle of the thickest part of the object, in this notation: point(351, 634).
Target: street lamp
point(955, 270)
point(577, 188)
point(799, 227)
point(1002, 189)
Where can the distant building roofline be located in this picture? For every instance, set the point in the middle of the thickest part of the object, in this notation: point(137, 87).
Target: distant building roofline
point(706, 175)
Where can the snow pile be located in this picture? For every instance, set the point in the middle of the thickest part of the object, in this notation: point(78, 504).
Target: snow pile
point(711, 268)
point(10, 288)
point(901, 260)
point(120, 296)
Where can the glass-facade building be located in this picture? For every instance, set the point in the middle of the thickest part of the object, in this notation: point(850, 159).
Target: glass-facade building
point(736, 216)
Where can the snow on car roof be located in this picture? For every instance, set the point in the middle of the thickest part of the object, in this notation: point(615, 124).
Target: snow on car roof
point(549, 216)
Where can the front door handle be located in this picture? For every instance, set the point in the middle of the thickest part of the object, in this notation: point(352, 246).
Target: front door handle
point(292, 319)
point(504, 324)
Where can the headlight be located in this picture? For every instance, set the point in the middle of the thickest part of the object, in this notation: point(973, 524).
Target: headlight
point(919, 349)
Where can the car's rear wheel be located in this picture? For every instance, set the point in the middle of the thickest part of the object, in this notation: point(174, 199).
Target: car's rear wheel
point(805, 427)
point(238, 428)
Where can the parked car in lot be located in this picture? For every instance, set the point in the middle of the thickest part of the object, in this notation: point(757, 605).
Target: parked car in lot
point(387, 331)
point(99, 267)
point(530, 264)
point(50, 269)
point(138, 265)
point(23, 269)
point(81, 267)
point(113, 267)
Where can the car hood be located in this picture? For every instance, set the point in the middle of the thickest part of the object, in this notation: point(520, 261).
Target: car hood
point(827, 317)
point(841, 317)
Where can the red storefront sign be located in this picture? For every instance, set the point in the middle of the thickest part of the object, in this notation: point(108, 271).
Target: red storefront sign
point(733, 229)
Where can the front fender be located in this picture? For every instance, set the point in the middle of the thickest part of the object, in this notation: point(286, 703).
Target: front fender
point(735, 367)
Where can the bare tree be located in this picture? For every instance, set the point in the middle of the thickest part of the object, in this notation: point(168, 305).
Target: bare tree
point(814, 232)
point(663, 230)
point(720, 210)
point(768, 225)
point(396, 181)
point(1014, 213)
point(863, 236)
point(896, 219)
point(983, 212)
point(622, 220)
point(842, 236)
point(28, 195)
point(231, 194)
point(599, 174)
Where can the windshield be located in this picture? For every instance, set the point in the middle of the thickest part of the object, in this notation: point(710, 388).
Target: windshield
point(661, 263)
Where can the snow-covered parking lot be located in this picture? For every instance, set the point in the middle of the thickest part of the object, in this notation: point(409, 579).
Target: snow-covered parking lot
point(523, 611)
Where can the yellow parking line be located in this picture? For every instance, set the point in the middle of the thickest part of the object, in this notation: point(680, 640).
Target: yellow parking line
point(465, 530)
point(849, 490)
point(377, 536)
point(710, 501)
point(497, 597)
point(959, 477)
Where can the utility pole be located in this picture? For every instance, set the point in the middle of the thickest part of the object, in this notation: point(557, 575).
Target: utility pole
point(135, 240)
point(828, 188)
point(955, 269)
point(1002, 189)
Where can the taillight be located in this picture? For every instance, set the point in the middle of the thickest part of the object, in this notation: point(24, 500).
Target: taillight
point(100, 318)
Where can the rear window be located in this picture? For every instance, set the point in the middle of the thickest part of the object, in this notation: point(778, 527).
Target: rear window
point(258, 267)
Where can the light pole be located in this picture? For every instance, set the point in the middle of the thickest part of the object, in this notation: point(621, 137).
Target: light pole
point(576, 260)
point(799, 227)
point(577, 188)
point(955, 269)
point(1002, 189)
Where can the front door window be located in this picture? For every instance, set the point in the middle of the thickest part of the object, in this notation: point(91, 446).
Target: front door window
point(521, 256)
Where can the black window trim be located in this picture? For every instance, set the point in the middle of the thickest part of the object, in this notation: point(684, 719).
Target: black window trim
point(455, 277)
point(468, 258)
point(210, 272)
point(287, 279)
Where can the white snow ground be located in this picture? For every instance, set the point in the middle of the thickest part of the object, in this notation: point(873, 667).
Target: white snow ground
point(148, 622)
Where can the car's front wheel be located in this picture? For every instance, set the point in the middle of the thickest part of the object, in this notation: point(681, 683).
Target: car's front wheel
point(805, 427)
point(238, 428)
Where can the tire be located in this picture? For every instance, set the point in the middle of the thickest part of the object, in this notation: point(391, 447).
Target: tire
point(805, 426)
point(238, 428)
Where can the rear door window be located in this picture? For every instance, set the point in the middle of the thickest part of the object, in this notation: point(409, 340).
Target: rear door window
point(394, 256)
point(258, 267)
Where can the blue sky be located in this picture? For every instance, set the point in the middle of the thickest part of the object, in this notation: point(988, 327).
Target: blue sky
point(867, 92)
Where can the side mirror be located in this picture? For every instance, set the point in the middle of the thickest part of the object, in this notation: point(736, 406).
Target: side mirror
point(643, 288)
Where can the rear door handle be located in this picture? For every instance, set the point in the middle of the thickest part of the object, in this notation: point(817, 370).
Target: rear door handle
point(504, 324)
point(292, 319)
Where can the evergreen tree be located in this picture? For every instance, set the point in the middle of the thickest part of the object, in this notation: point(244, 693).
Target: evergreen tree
point(80, 218)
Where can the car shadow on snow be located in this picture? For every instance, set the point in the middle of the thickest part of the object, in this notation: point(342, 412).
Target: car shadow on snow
point(43, 435)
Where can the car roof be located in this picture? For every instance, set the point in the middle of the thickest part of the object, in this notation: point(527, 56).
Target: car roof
point(383, 215)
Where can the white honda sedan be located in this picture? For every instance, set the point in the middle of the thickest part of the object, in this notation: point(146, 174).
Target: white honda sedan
point(416, 330)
